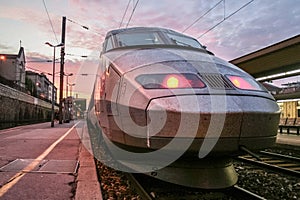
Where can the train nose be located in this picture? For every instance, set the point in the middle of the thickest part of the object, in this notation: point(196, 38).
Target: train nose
point(215, 123)
point(259, 123)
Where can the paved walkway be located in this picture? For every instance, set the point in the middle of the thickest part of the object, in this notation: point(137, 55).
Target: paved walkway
point(289, 139)
point(40, 162)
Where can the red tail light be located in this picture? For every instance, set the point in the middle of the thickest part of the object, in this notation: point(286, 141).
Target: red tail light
point(244, 83)
point(169, 81)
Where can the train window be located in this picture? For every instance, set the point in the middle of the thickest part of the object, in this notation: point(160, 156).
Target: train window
point(133, 39)
point(112, 83)
point(109, 44)
point(184, 41)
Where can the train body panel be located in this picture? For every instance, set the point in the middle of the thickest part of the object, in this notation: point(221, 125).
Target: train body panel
point(156, 86)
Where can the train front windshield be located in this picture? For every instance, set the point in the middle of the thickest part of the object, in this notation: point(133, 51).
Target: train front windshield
point(125, 39)
point(134, 39)
point(184, 41)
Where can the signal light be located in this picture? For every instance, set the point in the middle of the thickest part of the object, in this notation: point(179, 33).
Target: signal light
point(244, 83)
point(170, 81)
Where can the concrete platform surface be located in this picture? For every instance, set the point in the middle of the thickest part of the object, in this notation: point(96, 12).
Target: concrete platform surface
point(289, 139)
point(43, 162)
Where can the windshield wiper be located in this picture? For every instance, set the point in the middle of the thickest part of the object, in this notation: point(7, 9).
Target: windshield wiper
point(178, 42)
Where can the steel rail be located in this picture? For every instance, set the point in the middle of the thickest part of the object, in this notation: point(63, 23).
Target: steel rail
point(234, 191)
point(138, 187)
point(245, 194)
point(281, 156)
point(277, 165)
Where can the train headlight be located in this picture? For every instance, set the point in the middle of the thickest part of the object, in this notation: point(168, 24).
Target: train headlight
point(244, 83)
point(169, 81)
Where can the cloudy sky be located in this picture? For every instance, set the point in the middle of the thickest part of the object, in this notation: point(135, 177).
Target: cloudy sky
point(34, 22)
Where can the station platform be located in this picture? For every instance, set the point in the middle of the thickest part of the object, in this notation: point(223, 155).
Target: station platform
point(288, 139)
point(43, 162)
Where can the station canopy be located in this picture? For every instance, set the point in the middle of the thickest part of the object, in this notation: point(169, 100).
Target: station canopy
point(280, 60)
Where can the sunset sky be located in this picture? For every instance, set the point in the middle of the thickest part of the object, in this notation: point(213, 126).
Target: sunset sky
point(257, 25)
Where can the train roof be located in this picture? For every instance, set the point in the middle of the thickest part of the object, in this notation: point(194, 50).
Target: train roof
point(136, 37)
point(143, 29)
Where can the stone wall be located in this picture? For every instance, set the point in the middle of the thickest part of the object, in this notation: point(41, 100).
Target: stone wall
point(17, 108)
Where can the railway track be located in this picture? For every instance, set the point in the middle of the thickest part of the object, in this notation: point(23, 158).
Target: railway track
point(156, 189)
point(118, 185)
point(241, 193)
point(274, 161)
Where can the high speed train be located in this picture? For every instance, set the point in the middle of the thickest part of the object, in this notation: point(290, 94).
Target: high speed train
point(165, 106)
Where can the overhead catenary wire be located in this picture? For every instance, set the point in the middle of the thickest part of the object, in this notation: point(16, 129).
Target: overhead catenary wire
point(124, 13)
point(37, 70)
point(133, 10)
point(198, 19)
point(50, 21)
point(225, 18)
point(85, 27)
point(82, 56)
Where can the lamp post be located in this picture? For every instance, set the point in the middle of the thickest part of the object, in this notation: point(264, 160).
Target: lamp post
point(53, 75)
point(69, 104)
point(67, 75)
point(71, 85)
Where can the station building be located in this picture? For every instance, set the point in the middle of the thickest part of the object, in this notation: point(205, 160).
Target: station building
point(12, 69)
point(13, 74)
point(290, 101)
point(42, 86)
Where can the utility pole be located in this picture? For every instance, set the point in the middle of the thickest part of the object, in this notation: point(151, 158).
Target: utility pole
point(62, 62)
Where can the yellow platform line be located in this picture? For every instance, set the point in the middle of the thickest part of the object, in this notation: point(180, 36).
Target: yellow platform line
point(15, 179)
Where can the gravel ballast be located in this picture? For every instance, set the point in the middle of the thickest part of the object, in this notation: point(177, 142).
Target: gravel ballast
point(263, 182)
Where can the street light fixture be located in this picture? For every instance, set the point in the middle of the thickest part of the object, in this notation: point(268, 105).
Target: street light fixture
point(53, 75)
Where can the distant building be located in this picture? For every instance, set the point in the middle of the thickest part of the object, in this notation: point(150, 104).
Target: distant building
point(43, 87)
point(79, 107)
point(289, 108)
point(289, 102)
point(12, 69)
